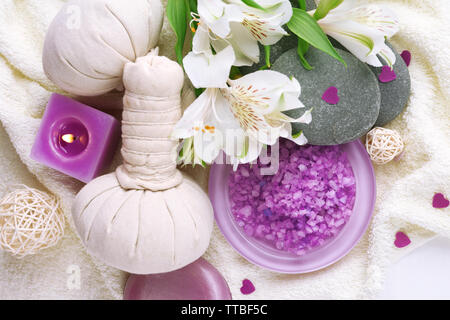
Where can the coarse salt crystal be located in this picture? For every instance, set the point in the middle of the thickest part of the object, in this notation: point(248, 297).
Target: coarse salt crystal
point(301, 207)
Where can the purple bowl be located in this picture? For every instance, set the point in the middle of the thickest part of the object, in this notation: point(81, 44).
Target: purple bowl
point(270, 258)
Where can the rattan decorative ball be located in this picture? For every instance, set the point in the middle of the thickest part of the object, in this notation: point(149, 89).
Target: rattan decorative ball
point(30, 220)
point(383, 145)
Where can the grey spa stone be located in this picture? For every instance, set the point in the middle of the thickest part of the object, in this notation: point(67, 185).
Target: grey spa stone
point(310, 4)
point(394, 94)
point(358, 91)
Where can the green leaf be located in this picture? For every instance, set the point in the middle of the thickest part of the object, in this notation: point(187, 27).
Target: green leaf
point(246, 148)
point(298, 134)
point(306, 28)
point(267, 52)
point(199, 91)
point(235, 73)
point(302, 48)
point(326, 6)
point(302, 4)
point(177, 13)
point(193, 6)
point(256, 5)
point(253, 4)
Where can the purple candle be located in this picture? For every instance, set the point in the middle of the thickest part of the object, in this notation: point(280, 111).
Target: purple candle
point(76, 139)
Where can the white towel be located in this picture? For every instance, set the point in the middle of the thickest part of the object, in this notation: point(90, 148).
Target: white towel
point(405, 188)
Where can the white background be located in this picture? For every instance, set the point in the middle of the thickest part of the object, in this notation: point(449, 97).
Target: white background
point(422, 274)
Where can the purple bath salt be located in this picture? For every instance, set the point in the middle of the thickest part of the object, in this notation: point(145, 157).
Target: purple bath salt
point(304, 205)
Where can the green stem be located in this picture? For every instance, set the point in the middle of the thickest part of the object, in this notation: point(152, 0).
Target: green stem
point(267, 52)
point(302, 4)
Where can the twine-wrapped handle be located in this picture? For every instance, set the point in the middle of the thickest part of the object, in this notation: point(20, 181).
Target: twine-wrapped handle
point(152, 107)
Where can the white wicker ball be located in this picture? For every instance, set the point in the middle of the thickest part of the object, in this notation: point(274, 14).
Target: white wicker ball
point(30, 220)
point(383, 145)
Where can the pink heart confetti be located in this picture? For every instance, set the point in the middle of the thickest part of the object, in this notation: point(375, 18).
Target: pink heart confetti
point(387, 74)
point(401, 240)
point(439, 201)
point(247, 287)
point(331, 96)
point(406, 55)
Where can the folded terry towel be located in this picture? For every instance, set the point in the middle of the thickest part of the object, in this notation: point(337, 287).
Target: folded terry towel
point(405, 188)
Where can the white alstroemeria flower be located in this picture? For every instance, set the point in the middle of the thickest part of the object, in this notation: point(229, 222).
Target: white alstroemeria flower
point(256, 26)
point(217, 15)
point(204, 68)
point(363, 29)
point(187, 153)
point(265, 25)
point(243, 117)
point(233, 30)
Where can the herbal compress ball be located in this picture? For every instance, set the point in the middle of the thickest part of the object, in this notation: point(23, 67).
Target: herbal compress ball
point(89, 42)
point(146, 217)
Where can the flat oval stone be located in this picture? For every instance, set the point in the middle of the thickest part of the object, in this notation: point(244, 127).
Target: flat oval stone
point(285, 43)
point(394, 94)
point(197, 281)
point(357, 87)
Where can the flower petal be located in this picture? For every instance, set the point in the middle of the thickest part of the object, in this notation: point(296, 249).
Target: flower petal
point(278, 11)
point(258, 100)
point(362, 41)
point(377, 17)
point(201, 43)
point(305, 118)
point(212, 125)
point(208, 145)
point(363, 30)
point(193, 115)
point(206, 70)
point(347, 5)
point(265, 90)
point(224, 118)
point(217, 15)
point(299, 138)
point(266, 25)
point(290, 101)
point(210, 109)
point(245, 47)
point(249, 151)
point(266, 34)
point(187, 153)
point(388, 55)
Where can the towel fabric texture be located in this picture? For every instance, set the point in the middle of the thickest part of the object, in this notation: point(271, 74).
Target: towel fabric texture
point(405, 187)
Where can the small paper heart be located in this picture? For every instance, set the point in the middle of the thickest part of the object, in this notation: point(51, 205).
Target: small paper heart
point(439, 201)
point(387, 75)
point(401, 240)
point(331, 96)
point(406, 55)
point(247, 287)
